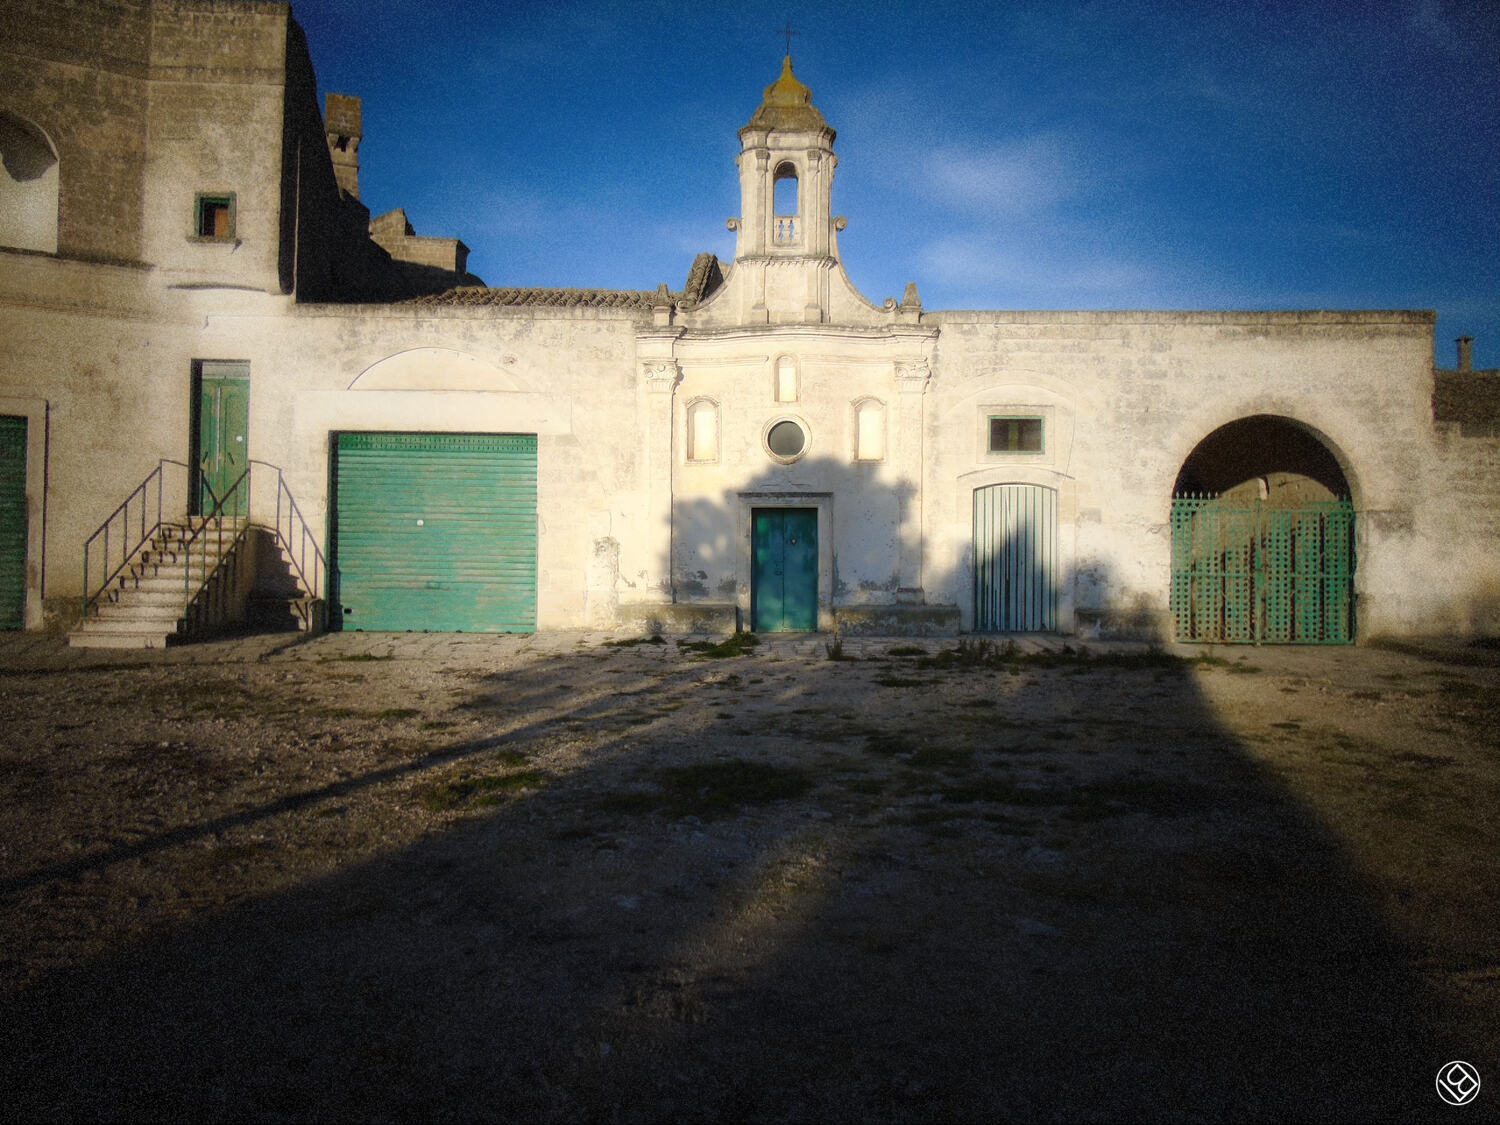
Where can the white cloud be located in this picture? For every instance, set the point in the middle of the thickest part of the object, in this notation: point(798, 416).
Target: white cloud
point(1017, 177)
point(986, 268)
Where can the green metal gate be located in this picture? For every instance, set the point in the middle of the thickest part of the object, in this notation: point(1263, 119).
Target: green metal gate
point(12, 523)
point(434, 532)
point(1245, 572)
point(1015, 558)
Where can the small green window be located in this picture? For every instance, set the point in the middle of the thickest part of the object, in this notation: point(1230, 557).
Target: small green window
point(213, 216)
point(1015, 435)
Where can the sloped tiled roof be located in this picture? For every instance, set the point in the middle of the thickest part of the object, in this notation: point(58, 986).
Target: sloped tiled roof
point(474, 296)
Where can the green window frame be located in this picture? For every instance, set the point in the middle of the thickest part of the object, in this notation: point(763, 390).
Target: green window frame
point(1017, 433)
point(214, 216)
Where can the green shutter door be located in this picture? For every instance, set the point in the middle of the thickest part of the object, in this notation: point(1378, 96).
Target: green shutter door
point(12, 522)
point(1015, 558)
point(435, 532)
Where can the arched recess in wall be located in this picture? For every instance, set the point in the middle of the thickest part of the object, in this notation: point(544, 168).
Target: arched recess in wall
point(435, 369)
point(869, 430)
point(1263, 537)
point(1266, 457)
point(28, 186)
point(703, 430)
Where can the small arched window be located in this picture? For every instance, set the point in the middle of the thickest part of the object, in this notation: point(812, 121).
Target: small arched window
point(28, 186)
point(786, 225)
point(786, 379)
point(703, 430)
point(869, 430)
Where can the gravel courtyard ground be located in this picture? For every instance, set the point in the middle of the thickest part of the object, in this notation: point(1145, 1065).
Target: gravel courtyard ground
point(563, 877)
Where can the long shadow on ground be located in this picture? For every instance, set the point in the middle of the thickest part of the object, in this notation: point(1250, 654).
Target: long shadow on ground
point(1000, 903)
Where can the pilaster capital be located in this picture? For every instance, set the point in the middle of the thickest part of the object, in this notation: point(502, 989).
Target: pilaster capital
point(660, 375)
point(912, 376)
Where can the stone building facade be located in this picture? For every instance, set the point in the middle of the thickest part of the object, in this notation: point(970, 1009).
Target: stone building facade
point(761, 448)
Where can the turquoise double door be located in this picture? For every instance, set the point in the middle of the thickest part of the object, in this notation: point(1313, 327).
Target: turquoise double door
point(784, 570)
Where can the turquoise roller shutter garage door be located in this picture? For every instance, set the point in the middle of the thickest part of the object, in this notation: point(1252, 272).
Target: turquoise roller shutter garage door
point(434, 532)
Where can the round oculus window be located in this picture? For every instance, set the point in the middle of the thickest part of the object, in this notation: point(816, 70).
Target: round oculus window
point(786, 440)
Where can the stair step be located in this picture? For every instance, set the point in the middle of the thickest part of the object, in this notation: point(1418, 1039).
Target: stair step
point(101, 638)
point(116, 613)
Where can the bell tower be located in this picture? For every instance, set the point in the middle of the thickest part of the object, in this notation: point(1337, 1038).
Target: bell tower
point(785, 231)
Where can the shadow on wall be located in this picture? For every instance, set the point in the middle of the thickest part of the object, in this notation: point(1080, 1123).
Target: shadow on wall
point(921, 887)
point(736, 563)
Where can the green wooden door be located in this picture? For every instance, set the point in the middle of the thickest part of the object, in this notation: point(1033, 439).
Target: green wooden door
point(784, 570)
point(1248, 572)
point(221, 436)
point(434, 532)
point(12, 523)
point(1015, 558)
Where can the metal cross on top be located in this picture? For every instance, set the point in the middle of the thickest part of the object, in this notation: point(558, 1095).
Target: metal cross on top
point(788, 32)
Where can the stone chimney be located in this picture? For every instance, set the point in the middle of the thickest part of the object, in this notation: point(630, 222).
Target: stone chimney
point(341, 121)
point(1465, 356)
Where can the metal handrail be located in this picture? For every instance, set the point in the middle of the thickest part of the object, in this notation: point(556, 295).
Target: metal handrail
point(297, 537)
point(137, 520)
point(190, 591)
point(117, 526)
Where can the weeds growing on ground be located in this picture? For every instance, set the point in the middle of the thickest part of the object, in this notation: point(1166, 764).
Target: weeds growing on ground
point(736, 644)
point(653, 639)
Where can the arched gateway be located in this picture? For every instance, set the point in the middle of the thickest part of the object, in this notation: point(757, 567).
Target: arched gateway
point(1263, 538)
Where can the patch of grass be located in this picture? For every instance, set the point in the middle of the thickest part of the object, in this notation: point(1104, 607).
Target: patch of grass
point(942, 757)
point(736, 644)
point(629, 642)
point(722, 786)
point(983, 653)
point(1416, 758)
point(478, 791)
point(398, 713)
point(887, 744)
point(835, 650)
point(438, 724)
point(907, 650)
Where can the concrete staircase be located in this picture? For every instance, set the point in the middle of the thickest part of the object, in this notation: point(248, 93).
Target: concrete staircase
point(144, 606)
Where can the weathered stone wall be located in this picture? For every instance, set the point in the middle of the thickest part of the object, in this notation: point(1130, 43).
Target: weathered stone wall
point(215, 122)
point(564, 375)
point(1138, 391)
point(77, 69)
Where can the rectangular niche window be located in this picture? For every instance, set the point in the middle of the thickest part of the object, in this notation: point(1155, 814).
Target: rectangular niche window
point(213, 216)
point(1011, 434)
point(786, 379)
point(869, 430)
point(703, 431)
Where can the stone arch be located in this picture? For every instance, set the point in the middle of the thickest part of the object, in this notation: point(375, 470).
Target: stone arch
point(1268, 457)
point(434, 369)
point(28, 185)
point(1263, 516)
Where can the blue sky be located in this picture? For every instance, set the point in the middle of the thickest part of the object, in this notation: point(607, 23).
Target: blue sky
point(1063, 155)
